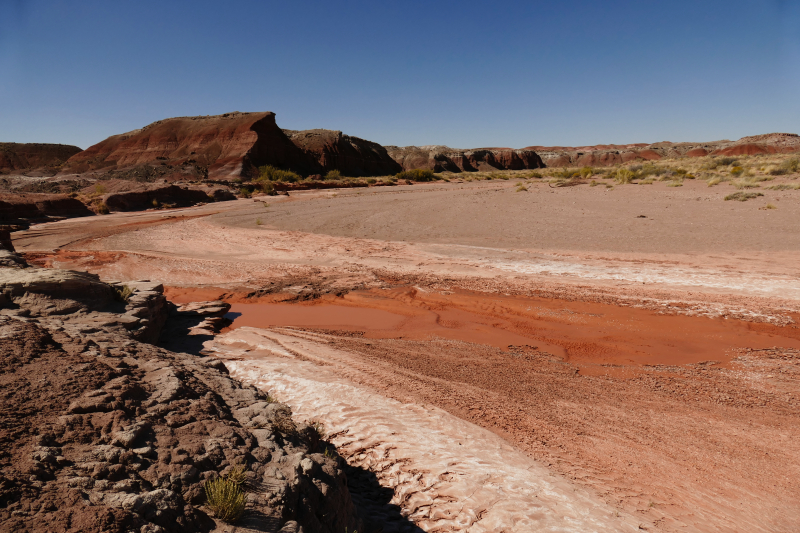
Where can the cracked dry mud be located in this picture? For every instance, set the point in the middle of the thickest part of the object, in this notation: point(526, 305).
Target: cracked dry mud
point(651, 382)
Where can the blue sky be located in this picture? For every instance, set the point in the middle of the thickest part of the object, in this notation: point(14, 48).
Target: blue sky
point(465, 73)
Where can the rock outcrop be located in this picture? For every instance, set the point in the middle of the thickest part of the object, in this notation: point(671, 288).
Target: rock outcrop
point(100, 431)
point(34, 158)
point(609, 155)
point(228, 145)
point(445, 159)
point(333, 150)
point(34, 207)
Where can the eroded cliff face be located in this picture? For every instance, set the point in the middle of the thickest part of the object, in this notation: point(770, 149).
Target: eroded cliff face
point(36, 158)
point(610, 155)
point(232, 145)
point(445, 159)
point(228, 145)
point(333, 150)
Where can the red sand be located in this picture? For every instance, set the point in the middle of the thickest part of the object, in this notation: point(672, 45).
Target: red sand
point(580, 332)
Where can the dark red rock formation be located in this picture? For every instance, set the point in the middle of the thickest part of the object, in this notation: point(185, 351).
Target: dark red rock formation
point(19, 157)
point(444, 159)
point(149, 197)
point(609, 155)
point(333, 150)
point(15, 208)
point(228, 145)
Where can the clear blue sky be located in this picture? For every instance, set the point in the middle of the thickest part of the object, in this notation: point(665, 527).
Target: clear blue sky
point(463, 73)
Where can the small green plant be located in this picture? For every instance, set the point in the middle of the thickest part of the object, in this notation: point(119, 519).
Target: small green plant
point(99, 189)
point(594, 183)
point(372, 181)
point(333, 175)
point(244, 192)
point(155, 203)
point(122, 292)
point(258, 222)
point(521, 187)
point(770, 206)
point(226, 499)
point(737, 171)
point(102, 209)
point(743, 196)
point(271, 173)
point(416, 175)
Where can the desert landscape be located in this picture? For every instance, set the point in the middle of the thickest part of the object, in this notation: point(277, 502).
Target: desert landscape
point(351, 337)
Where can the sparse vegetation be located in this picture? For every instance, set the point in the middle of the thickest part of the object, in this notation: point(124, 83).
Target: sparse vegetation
point(122, 292)
point(271, 173)
point(102, 209)
point(785, 187)
point(416, 175)
point(226, 499)
point(743, 196)
point(737, 171)
point(770, 206)
point(258, 222)
point(244, 192)
point(333, 175)
point(521, 187)
point(624, 175)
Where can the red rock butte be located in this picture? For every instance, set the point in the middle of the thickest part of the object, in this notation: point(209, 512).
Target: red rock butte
point(233, 145)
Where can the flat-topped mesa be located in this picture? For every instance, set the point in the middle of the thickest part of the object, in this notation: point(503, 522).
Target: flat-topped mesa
point(352, 156)
point(445, 159)
point(34, 158)
point(609, 155)
point(228, 146)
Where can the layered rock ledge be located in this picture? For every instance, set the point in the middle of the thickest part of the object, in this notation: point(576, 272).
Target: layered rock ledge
point(103, 431)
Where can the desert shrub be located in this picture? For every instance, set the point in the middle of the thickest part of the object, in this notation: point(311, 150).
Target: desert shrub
point(675, 183)
point(737, 171)
point(268, 188)
point(785, 187)
point(770, 206)
point(225, 498)
point(102, 209)
point(594, 183)
point(745, 183)
point(715, 181)
point(790, 166)
point(648, 181)
point(372, 181)
point(727, 161)
point(586, 172)
point(624, 175)
point(649, 169)
point(155, 203)
point(333, 175)
point(244, 192)
point(270, 173)
point(521, 187)
point(681, 171)
point(743, 196)
point(99, 189)
point(258, 222)
point(778, 171)
point(417, 174)
point(122, 292)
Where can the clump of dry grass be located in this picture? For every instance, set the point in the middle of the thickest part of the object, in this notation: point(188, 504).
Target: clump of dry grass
point(785, 187)
point(225, 496)
point(624, 175)
point(743, 196)
point(769, 206)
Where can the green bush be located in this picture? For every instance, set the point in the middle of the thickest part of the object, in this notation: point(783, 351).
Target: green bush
point(244, 192)
point(268, 188)
point(225, 499)
point(122, 292)
point(270, 173)
point(416, 175)
point(737, 171)
point(333, 175)
point(102, 209)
